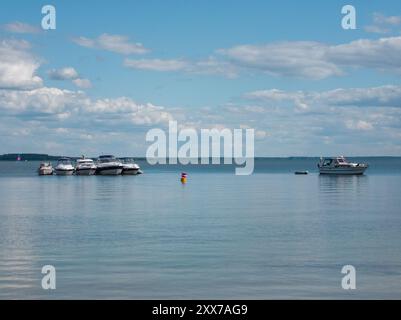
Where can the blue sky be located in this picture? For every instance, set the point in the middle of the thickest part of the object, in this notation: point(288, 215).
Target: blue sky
point(113, 70)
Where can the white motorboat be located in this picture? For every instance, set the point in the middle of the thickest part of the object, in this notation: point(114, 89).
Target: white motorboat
point(45, 169)
point(109, 165)
point(85, 167)
point(340, 166)
point(64, 167)
point(130, 167)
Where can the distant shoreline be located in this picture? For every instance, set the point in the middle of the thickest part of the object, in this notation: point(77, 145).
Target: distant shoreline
point(46, 157)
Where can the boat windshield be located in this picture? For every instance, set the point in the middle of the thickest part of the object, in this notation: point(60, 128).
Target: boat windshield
point(327, 162)
point(128, 160)
point(64, 161)
point(106, 159)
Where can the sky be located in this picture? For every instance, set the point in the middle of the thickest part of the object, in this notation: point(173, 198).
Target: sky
point(112, 70)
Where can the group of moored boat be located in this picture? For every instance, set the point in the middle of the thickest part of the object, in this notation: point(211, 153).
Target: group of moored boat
point(105, 165)
point(110, 165)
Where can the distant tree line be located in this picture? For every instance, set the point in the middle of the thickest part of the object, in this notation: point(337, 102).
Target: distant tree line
point(27, 156)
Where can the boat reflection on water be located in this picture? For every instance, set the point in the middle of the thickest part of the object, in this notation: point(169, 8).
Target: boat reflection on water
point(342, 187)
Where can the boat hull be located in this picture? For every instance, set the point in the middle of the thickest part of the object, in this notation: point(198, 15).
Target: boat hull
point(85, 172)
point(343, 171)
point(45, 172)
point(109, 171)
point(61, 172)
point(130, 172)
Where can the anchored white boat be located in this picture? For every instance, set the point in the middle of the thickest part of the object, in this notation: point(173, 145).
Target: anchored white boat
point(85, 167)
point(45, 169)
point(64, 167)
point(109, 165)
point(130, 167)
point(340, 165)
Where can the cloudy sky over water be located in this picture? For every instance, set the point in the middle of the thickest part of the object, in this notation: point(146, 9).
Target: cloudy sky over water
point(113, 70)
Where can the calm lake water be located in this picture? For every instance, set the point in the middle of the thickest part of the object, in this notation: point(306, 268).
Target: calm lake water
point(269, 235)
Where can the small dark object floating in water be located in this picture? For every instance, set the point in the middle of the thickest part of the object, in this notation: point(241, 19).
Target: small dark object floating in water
point(301, 172)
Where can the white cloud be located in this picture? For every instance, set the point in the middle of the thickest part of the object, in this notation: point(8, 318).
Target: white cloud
point(381, 54)
point(260, 134)
point(42, 100)
point(358, 125)
point(85, 42)
point(207, 66)
point(273, 96)
point(141, 114)
point(67, 73)
point(82, 83)
point(379, 18)
point(71, 105)
point(114, 43)
point(211, 65)
point(61, 130)
point(317, 60)
point(244, 108)
point(376, 29)
point(334, 120)
point(299, 59)
point(302, 59)
point(156, 64)
point(383, 96)
point(382, 23)
point(18, 66)
point(20, 27)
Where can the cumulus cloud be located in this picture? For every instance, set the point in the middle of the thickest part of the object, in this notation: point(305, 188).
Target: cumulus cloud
point(317, 60)
point(383, 96)
point(82, 83)
point(114, 43)
point(156, 64)
point(17, 66)
point(274, 97)
point(379, 18)
point(21, 27)
point(381, 54)
point(301, 59)
point(141, 114)
point(382, 23)
point(67, 73)
point(343, 121)
point(358, 125)
point(333, 121)
point(211, 66)
point(376, 29)
point(67, 104)
point(42, 100)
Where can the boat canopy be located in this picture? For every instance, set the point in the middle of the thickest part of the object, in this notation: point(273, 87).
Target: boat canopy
point(64, 160)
